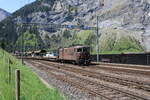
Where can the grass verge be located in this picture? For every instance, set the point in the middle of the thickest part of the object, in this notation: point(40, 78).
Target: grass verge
point(31, 86)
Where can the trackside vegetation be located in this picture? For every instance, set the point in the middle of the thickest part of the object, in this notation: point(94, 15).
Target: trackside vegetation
point(31, 86)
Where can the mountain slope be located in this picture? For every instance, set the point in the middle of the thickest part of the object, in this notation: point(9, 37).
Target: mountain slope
point(127, 20)
point(3, 14)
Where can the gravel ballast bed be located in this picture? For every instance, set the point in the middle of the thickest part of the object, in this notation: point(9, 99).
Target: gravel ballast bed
point(70, 92)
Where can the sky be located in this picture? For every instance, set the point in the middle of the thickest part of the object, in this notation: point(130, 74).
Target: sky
point(13, 5)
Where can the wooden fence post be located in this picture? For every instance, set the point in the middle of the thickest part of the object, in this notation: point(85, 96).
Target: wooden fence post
point(17, 84)
point(9, 71)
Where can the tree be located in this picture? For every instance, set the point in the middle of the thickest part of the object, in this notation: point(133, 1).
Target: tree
point(47, 39)
point(3, 45)
point(66, 34)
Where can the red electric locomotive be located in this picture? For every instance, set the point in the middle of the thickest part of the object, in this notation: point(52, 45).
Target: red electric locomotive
point(76, 54)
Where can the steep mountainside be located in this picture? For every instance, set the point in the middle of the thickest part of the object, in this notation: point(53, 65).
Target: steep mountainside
point(3, 14)
point(124, 24)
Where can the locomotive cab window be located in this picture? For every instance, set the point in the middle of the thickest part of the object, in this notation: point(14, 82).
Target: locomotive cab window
point(86, 49)
point(79, 50)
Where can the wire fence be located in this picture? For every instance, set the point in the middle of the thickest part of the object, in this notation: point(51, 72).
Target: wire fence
point(8, 78)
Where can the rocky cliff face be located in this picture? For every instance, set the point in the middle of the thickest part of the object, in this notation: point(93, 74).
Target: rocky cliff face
point(3, 14)
point(117, 18)
point(132, 16)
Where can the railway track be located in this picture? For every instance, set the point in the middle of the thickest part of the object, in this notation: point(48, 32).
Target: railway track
point(133, 69)
point(126, 82)
point(142, 67)
point(124, 68)
point(86, 84)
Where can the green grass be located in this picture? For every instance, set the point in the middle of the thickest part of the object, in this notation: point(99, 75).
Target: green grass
point(83, 35)
point(31, 87)
point(119, 41)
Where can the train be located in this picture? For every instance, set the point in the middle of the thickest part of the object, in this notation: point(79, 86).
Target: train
point(75, 54)
point(81, 55)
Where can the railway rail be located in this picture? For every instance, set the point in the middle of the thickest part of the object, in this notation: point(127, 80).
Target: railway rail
point(136, 70)
point(143, 67)
point(88, 85)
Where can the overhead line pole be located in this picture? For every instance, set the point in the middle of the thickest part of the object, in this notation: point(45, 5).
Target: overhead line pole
point(22, 47)
point(97, 38)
